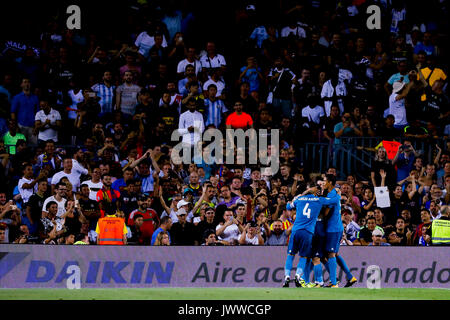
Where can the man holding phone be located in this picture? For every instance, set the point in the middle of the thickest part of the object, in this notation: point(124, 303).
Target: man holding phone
point(405, 158)
point(345, 128)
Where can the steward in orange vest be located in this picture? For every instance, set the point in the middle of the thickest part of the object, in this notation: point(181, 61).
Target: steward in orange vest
point(111, 230)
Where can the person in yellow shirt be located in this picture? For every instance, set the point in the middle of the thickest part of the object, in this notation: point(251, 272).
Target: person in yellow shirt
point(430, 74)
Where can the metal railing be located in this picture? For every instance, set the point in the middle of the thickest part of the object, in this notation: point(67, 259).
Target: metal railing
point(355, 155)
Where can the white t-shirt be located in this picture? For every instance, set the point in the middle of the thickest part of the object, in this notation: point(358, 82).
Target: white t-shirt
point(61, 205)
point(26, 193)
point(76, 99)
point(313, 114)
point(145, 42)
point(73, 177)
point(48, 133)
point(230, 233)
point(94, 188)
point(328, 91)
point(172, 215)
point(398, 110)
point(216, 62)
point(298, 32)
point(253, 241)
point(181, 68)
point(78, 169)
point(220, 86)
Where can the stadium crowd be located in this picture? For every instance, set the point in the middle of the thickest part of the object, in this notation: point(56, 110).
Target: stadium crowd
point(86, 121)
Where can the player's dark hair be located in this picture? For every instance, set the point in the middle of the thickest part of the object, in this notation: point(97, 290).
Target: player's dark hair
point(331, 178)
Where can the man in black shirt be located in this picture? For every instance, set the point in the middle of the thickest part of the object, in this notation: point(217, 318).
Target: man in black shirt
point(130, 197)
point(206, 224)
point(34, 206)
point(388, 131)
point(89, 208)
point(331, 122)
point(183, 232)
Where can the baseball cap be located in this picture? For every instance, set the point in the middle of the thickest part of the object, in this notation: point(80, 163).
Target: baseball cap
point(181, 203)
point(181, 211)
point(397, 86)
point(377, 232)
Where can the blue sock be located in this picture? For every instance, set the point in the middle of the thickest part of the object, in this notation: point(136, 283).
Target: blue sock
point(307, 271)
point(333, 270)
point(288, 265)
point(318, 273)
point(327, 266)
point(341, 263)
point(301, 267)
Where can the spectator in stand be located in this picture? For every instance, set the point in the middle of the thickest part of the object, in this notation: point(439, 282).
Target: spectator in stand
point(377, 239)
point(239, 119)
point(67, 172)
point(24, 107)
point(12, 136)
point(281, 80)
point(183, 232)
point(47, 122)
point(346, 128)
point(105, 90)
point(278, 236)
point(215, 108)
point(382, 163)
point(388, 130)
point(127, 95)
point(229, 228)
point(166, 224)
point(404, 159)
point(251, 235)
point(162, 239)
point(212, 60)
point(364, 236)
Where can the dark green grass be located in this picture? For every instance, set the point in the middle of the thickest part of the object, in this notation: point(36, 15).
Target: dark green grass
point(226, 294)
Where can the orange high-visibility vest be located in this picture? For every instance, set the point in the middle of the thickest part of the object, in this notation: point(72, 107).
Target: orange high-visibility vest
point(111, 230)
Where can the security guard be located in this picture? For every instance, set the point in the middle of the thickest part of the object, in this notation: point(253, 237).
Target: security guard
point(111, 230)
point(440, 228)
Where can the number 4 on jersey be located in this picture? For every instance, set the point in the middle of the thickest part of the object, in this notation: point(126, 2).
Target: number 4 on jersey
point(307, 211)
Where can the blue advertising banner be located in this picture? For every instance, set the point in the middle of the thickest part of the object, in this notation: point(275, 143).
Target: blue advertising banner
point(40, 266)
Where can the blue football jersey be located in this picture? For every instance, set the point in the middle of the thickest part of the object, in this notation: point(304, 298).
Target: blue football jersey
point(308, 209)
point(334, 220)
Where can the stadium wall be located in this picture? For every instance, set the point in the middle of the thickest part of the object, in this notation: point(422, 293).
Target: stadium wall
point(39, 266)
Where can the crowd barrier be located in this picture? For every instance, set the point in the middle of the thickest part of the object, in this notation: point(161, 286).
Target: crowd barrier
point(39, 266)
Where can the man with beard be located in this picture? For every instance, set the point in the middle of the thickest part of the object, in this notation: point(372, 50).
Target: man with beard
point(278, 236)
point(105, 90)
point(107, 197)
point(151, 219)
point(127, 94)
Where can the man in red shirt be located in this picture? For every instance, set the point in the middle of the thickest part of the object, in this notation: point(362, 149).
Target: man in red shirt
point(108, 198)
point(151, 219)
point(239, 119)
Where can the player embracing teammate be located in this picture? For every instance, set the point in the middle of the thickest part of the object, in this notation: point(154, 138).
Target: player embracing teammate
point(316, 236)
